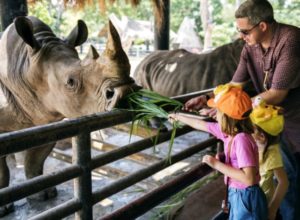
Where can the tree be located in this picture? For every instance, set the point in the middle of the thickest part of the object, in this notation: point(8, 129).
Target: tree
point(219, 15)
point(207, 23)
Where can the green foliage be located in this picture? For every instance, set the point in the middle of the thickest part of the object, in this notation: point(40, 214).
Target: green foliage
point(217, 11)
point(287, 13)
point(222, 12)
point(40, 10)
point(223, 33)
point(179, 9)
point(52, 15)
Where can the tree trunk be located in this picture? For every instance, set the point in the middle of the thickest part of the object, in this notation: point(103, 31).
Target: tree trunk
point(161, 34)
point(206, 17)
point(10, 9)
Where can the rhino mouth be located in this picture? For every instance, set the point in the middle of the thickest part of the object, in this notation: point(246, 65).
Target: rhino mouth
point(115, 95)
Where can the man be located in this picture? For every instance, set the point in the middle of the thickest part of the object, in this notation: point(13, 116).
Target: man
point(271, 60)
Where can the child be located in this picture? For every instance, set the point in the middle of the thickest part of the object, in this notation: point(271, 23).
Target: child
point(268, 123)
point(234, 128)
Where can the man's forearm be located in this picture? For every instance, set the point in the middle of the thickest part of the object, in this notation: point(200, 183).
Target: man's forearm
point(274, 97)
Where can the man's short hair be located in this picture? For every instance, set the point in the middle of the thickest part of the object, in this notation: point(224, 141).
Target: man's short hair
point(256, 11)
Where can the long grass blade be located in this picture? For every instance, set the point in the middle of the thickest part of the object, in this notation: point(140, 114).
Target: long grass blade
point(147, 105)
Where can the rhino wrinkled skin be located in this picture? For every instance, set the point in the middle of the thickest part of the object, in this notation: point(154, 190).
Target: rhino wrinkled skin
point(43, 80)
point(177, 72)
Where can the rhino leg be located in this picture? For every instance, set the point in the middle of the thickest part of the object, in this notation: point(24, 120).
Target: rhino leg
point(34, 164)
point(4, 181)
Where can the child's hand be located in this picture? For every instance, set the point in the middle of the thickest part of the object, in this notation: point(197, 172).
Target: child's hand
point(172, 117)
point(209, 160)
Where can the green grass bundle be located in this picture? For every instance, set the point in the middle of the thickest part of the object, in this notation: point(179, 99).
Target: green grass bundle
point(147, 104)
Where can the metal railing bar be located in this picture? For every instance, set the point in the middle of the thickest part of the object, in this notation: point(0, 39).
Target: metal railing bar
point(145, 203)
point(60, 211)
point(15, 141)
point(129, 149)
point(83, 183)
point(140, 158)
point(24, 139)
point(107, 171)
point(135, 177)
point(183, 98)
point(39, 183)
point(34, 185)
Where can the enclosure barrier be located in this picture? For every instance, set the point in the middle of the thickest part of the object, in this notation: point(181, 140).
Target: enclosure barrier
point(83, 164)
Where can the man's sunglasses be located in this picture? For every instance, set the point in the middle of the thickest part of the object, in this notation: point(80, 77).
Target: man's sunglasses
point(246, 32)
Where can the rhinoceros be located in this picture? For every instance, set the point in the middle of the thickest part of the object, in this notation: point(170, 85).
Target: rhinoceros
point(42, 80)
point(176, 72)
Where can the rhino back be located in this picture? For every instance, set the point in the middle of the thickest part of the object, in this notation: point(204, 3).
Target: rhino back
point(172, 73)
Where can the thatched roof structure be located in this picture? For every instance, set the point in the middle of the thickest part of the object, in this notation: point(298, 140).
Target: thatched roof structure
point(158, 5)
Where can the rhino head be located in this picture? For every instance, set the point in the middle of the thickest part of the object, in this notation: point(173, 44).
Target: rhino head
point(62, 85)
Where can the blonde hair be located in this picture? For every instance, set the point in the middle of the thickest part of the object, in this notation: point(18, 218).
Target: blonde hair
point(233, 126)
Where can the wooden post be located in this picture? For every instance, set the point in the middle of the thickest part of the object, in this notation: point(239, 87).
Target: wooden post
point(10, 9)
point(161, 35)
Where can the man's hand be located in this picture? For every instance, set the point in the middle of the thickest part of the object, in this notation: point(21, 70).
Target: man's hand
point(195, 103)
point(211, 112)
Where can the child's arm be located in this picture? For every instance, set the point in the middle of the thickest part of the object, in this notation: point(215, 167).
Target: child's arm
point(246, 175)
point(191, 121)
point(280, 191)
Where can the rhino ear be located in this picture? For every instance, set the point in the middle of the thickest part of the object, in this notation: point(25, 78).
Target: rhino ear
point(78, 35)
point(113, 45)
point(25, 30)
point(92, 53)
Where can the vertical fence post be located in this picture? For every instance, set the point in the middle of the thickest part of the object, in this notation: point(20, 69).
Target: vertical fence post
point(83, 184)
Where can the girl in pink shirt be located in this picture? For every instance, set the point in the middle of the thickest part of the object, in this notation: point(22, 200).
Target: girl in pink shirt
point(245, 198)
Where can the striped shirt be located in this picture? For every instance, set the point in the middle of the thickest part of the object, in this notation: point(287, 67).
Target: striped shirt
point(278, 68)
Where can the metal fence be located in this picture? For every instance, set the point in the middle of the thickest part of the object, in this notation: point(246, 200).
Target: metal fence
point(83, 164)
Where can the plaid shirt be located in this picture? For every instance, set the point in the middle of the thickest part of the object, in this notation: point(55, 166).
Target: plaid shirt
point(278, 68)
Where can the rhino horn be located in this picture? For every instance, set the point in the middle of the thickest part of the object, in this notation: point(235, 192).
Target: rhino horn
point(24, 28)
point(115, 53)
point(78, 35)
point(92, 53)
point(113, 45)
